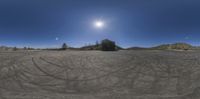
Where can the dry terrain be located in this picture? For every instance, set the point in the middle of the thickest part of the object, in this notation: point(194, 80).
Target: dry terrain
point(141, 74)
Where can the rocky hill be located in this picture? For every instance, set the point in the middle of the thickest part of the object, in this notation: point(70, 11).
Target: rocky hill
point(176, 46)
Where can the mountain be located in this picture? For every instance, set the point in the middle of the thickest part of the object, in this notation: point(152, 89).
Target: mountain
point(5, 48)
point(136, 48)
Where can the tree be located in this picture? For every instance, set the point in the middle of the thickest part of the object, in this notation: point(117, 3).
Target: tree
point(97, 46)
point(15, 48)
point(97, 43)
point(64, 46)
point(108, 45)
point(25, 48)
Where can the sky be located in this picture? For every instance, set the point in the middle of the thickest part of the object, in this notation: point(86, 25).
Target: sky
point(145, 23)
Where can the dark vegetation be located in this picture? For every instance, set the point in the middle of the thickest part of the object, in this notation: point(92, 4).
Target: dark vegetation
point(64, 46)
point(105, 45)
point(15, 48)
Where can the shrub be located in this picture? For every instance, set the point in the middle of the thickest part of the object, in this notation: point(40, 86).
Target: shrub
point(15, 48)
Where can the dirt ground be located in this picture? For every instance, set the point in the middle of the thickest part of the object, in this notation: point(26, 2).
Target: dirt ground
point(141, 74)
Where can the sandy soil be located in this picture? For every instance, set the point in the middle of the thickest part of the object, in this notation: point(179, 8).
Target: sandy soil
point(142, 74)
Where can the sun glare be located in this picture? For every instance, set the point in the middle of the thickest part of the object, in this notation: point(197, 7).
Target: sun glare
point(99, 24)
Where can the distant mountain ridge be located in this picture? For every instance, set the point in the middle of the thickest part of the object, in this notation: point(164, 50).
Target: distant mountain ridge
point(136, 48)
point(6, 48)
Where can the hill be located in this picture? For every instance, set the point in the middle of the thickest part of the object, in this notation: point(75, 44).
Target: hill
point(136, 48)
point(6, 48)
point(176, 46)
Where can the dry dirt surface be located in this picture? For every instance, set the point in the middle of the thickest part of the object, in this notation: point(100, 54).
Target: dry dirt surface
point(142, 74)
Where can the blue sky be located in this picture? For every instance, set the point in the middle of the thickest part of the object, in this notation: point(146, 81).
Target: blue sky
point(49, 23)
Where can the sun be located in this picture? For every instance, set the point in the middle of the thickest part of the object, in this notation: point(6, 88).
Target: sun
point(99, 24)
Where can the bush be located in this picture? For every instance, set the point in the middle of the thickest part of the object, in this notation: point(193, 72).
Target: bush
point(15, 49)
point(108, 45)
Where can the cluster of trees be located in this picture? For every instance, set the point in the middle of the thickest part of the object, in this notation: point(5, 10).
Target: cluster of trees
point(108, 45)
point(28, 48)
point(64, 46)
point(105, 45)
